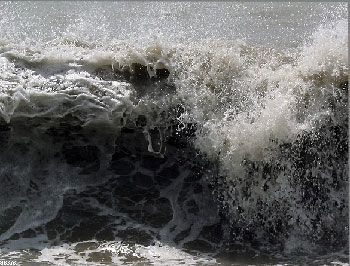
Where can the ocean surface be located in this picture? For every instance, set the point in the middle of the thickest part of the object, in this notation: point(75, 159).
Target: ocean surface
point(174, 133)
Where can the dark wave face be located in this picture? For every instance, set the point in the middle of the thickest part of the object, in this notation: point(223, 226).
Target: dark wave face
point(177, 139)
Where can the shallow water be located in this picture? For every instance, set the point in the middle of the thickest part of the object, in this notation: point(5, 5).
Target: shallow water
point(173, 133)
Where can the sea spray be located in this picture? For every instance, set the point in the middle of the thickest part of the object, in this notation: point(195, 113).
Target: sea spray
point(114, 147)
point(277, 156)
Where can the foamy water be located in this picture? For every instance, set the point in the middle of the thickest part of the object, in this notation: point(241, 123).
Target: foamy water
point(174, 133)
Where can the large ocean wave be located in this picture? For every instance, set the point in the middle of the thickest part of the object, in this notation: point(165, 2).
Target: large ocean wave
point(257, 136)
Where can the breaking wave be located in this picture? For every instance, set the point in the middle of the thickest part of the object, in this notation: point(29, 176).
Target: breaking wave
point(257, 136)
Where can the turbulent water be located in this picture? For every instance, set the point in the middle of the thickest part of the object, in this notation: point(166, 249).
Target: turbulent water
point(174, 133)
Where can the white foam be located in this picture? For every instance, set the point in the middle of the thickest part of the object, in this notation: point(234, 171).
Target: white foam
point(326, 58)
point(118, 253)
